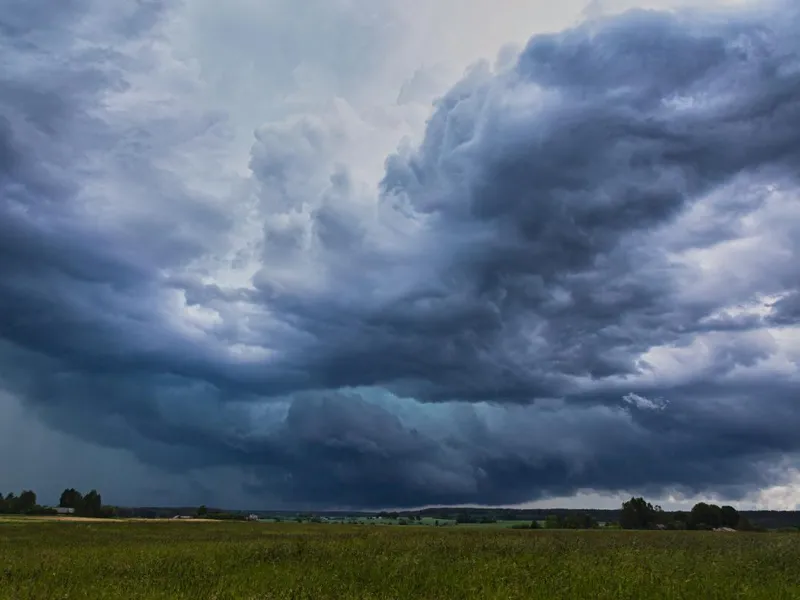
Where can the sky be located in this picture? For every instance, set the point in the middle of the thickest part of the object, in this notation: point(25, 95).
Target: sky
point(365, 254)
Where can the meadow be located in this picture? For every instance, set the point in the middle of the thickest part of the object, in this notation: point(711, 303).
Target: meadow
point(47, 559)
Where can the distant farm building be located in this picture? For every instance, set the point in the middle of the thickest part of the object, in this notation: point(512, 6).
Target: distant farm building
point(63, 510)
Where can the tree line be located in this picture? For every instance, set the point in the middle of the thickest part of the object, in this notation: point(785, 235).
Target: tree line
point(22, 504)
point(637, 513)
point(89, 505)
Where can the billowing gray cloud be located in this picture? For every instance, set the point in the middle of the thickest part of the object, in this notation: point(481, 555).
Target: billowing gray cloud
point(583, 278)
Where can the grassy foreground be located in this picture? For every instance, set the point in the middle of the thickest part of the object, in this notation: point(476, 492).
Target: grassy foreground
point(251, 560)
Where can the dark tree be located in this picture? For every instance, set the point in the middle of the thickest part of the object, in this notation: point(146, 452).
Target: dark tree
point(705, 516)
point(26, 501)
point(12, 503)
point(637, 514)
point(730, 517)
point(579, 521)
point(202, 511)
point(71, 498)
point(680, 520)
point(92, 504)
point(744, 524)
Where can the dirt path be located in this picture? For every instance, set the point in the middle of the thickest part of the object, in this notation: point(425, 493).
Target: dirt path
point(67, 518)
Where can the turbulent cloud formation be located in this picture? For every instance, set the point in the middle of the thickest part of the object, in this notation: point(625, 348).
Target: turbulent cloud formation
point(582, 276)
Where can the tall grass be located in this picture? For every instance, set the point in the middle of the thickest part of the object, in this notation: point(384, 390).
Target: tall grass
point(288, 561)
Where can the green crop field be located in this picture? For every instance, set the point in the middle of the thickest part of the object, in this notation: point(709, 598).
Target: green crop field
point(96, 560)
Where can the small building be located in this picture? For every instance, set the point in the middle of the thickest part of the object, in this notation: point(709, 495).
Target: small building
point(252, 517)
point(63, 510)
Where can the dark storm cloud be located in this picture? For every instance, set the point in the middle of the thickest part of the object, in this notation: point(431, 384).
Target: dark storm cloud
point(364, 448)
point(71, 288)
point(514, 341)
point(542, 188)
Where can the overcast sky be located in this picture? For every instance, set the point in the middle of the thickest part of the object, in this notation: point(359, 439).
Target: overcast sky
point(368, 253)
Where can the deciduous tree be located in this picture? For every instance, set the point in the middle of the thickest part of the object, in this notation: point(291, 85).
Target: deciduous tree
point(637, 514)
point(71, 498)
point(26, 501)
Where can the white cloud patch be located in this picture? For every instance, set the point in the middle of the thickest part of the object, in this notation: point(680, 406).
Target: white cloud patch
point(643, 403)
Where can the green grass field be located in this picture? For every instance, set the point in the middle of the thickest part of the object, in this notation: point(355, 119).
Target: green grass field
point(55, 560)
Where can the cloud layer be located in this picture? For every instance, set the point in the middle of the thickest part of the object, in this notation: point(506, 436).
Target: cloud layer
point(581, 276)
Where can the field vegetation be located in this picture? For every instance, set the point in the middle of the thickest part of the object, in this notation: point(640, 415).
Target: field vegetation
point(163, 559)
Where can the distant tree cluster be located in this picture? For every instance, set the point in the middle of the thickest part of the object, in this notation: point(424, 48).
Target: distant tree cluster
point(203, 512)
point(467, 517)
point(388, 515)
point(90, 505)
point(25, 503)
point(22, 504)
point(637, 513)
